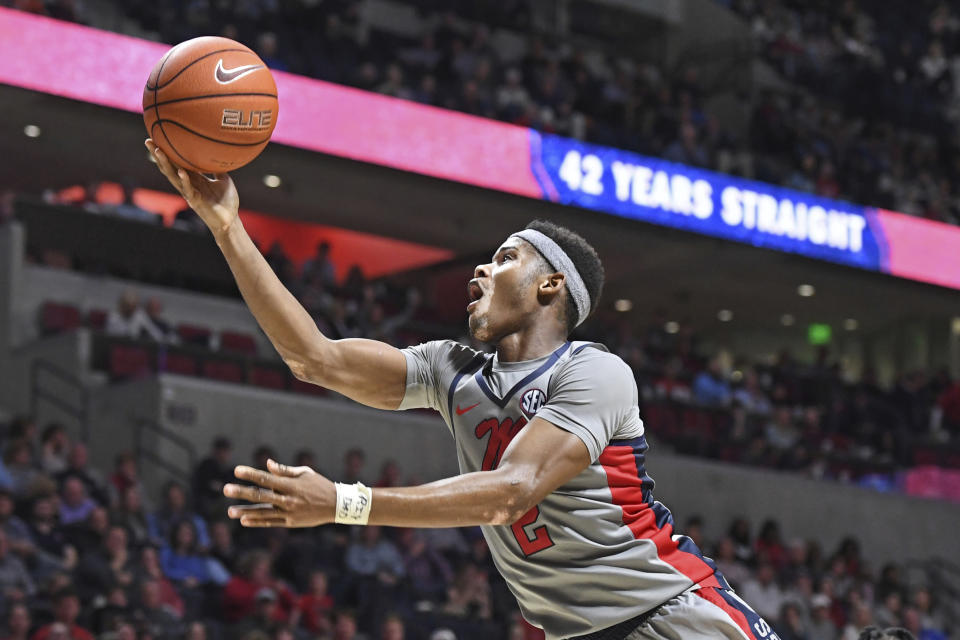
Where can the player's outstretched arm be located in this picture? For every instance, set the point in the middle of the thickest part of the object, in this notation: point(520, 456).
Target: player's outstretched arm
point(370, 372)
point(540, 458)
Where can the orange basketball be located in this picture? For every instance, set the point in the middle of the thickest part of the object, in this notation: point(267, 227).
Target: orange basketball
point(210, 104)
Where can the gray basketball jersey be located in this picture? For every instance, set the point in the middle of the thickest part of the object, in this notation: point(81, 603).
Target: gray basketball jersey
point(599, 550)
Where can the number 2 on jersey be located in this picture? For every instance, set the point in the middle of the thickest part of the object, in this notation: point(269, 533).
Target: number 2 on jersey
point(537, 539)
point(530, 539)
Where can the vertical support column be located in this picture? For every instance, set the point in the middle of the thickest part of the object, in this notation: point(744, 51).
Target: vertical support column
point(11, 268)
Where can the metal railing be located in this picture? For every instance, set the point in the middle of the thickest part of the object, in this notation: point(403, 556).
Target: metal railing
point(147, 453)
point(41, 371)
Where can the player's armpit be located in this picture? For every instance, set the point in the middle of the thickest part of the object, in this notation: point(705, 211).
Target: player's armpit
point(541, 458)
point(371, 372)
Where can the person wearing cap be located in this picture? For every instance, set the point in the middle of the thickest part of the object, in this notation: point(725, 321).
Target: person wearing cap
point(547, 430)
point(821, 625)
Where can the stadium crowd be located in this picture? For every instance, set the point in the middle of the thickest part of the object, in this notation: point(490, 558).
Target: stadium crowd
point(871, 117)
point(786, 414)
point(86, 553)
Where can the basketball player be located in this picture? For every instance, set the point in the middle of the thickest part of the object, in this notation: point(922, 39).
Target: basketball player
point(549, 440)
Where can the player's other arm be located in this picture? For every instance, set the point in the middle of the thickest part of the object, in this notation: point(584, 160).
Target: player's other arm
point(370, 372)
point(540, 458)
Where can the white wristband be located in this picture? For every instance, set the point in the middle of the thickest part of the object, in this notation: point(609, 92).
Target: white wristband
point(353, 503)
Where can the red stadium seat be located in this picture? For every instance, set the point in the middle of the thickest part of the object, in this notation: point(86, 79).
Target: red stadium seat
point(193, 334)
point(97, 319)
point(223, 370)
point(128, 361)
point(267, 377)
point(238, 342)
point(181, 363)
point(55, 317)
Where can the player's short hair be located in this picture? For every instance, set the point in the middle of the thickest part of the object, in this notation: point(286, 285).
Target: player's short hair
point(585, 260)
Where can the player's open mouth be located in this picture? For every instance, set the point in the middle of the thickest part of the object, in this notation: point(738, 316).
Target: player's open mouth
point(475, 293)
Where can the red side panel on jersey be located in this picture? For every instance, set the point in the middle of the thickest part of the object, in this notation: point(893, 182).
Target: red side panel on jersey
point(713, 596)
point(626, 487)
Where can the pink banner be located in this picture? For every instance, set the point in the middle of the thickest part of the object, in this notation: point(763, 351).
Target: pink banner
point(110, 69)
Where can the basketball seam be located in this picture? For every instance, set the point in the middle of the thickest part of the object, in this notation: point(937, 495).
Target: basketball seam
point(211, 95)
point(177, 74)
point(155, 105)
point(170, 142)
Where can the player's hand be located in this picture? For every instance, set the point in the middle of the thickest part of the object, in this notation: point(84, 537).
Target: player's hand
point(284, 497)
point(214, 199)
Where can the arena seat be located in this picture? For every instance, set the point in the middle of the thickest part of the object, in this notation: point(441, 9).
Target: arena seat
point(223, 370)
point(97, 319)
point(128, 361)
point(268, 377)
point(237, 342)
point(182, 363)
point(194, 334)
point(56, 317)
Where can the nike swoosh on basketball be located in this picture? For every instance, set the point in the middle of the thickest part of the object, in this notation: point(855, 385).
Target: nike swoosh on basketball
point(460, 411)
point(226, 76)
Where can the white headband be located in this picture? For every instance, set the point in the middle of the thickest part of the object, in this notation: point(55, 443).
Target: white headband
point(560, 261)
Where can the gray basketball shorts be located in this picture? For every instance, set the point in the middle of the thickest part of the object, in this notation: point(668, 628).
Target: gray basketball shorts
point(706, 613)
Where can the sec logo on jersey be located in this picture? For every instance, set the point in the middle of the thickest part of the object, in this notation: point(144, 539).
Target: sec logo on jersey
point(531, 402)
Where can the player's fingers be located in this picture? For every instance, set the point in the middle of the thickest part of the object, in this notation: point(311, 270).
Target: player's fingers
point(186, 184)
point(265, 522)
point(237, 511)
point(255, 494)
point(262, 478)
point(284, 470)
point(166, 167)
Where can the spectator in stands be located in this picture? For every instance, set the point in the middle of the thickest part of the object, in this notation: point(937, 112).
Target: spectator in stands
point(469, 595)
point(130, 515)
point(392, 628)
point(253, 574)
point(66, 610)
point(164, 328)
point(181, 560)
point(780, 432)
point(125, 476)
point(18, 623)
point(162, 521)
point(821, 626)
point(16, 530)
point(261, 454)
point(75, 504)
point(428, 571)
point(53, 553)
point(316, 605)
point(16, 585)
point(110, 565)
point(763, 593)
point(149, 570)
point(353, 462)
point(211, 474)
point(54, 445)
point(129, 320)
point(222, 547)
point(16, 459)
point(735, 571)
point(710, 387)
point(374, 569)
point(153, 616)
point(320, 267)
point(78, 467)
point(131, 210)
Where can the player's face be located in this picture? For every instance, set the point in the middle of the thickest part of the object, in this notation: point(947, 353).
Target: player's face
point(503, 292)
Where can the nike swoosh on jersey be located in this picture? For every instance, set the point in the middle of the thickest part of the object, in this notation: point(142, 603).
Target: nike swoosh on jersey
point(226, 76)
point(460, 411)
